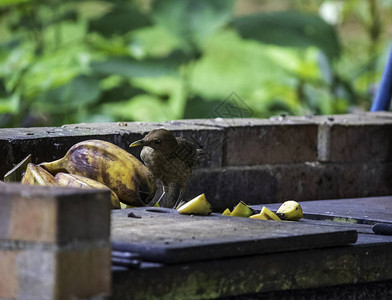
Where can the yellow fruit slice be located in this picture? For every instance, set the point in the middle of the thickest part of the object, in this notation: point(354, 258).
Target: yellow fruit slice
point(242, 210)
point(290, 210)
point(196, 206)
point(226, 212)
point(123, 206)
point(259, 217)
point(269, 214)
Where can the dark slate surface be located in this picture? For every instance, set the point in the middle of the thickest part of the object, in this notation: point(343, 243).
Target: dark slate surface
point(356, 210)
point(164, 235)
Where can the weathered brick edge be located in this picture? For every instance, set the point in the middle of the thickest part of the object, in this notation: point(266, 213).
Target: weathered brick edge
point(54, 243)
point(254, 160)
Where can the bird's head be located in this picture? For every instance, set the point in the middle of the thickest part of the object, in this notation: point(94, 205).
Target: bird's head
point(158, 139)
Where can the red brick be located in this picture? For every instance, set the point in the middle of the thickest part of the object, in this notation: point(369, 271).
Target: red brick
point(53, 214)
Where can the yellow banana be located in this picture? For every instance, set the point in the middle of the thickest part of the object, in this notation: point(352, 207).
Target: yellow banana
point(290, 210)
point(77, 181)
point(36, 175)
point(111, 165)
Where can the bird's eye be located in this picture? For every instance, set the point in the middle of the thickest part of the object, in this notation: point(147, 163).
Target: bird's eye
point(157, 141)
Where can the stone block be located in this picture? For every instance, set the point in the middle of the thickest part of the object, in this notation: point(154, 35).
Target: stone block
point(318, 181)
point(225, 187)
point(41, 271)
point(259, 141)
point(360, 137)
point(53, 214)
point(9, 286)
point(357, 143)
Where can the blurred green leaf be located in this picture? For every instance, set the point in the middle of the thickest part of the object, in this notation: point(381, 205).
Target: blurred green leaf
point(141, 108)
point(123, 91)
point(197, 107)
point(9, 105)
point(193, 21)
point(130, 67)
point(80, 91)
point(290, 28)
point(230, 64)
point(123, 18)
point(11, 2)
point(325, 68)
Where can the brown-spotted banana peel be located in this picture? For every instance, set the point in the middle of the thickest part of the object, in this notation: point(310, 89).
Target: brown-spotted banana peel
point(36, 175)
point(110, 165)
point(77, 181)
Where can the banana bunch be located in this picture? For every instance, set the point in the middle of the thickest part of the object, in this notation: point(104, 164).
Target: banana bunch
point(77, 181)
point(36, 175)
point(110, 165)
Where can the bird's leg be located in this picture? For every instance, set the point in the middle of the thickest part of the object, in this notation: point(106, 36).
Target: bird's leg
point(163, 194)
point(172, 190)
point(180, 199)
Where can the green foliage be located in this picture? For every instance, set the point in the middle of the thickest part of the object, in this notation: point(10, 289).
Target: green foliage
point(290, 28)
point(87, 61)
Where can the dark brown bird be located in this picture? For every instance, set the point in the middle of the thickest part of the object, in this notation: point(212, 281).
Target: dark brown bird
point(170, 159)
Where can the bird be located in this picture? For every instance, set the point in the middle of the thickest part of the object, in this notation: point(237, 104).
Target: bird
point(171, 160)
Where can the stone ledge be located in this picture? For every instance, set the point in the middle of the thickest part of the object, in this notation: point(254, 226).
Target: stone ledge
point(229, 142)
point(294, 143)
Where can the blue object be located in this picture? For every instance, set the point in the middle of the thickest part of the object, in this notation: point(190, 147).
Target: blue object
point(382, 99)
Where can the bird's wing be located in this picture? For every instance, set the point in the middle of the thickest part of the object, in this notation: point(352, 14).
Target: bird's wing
point(186, 152)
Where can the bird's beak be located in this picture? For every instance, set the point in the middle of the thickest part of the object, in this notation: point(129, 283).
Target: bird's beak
point(137, 143)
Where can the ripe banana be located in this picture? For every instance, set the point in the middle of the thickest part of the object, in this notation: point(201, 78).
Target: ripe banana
point(77, 181)
point(36, 175)
point(290, 210)
point(196, 206)
point(111, 165)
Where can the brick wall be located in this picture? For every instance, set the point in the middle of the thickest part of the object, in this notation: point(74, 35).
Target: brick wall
point(254, 160)
point(54, 243)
